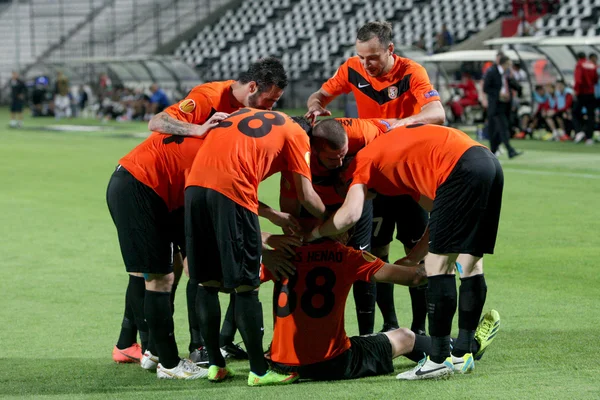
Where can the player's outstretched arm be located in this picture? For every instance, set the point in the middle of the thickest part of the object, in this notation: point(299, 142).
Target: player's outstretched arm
point(401, 275)
point(284, 220)
point(431, 113)
point(316, 104)
point(164, 123)
point(344, 218)
point(308, 197)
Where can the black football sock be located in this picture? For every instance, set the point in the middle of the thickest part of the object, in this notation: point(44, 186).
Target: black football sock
point(249, 318)
point(473, 291)
point(229, 327)
point(136, 292)
point(172, 298)
point(418, 302)
point(128, 334)
point(196, 339)
point(160, 322)
point(365, 294)
point(421, 349)
point(209, 317)
point(385, 301)
point(441, 306)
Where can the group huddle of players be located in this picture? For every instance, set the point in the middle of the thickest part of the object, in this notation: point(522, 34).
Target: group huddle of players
point(186, 199)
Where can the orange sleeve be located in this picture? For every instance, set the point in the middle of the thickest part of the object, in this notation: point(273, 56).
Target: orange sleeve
point(297, 151)
point(375, 128)
point(338, 83)
point(359, 171)
point(421, 87)
point(265, 274)
point(195, 108)
point(365, 263)
point(287, 185)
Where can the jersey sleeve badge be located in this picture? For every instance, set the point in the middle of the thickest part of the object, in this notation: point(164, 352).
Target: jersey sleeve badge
point(187, 106)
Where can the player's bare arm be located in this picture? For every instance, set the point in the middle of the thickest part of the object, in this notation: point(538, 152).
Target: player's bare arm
point(308, 197)
point(290, 205)
point(344, 218)
point(431, 113)
point(401, 275)
point(417, 253)
point(316, 104)
point(164, 123)
point(284, 220)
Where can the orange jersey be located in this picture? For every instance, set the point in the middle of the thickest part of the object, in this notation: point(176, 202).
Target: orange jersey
point(398, 94)
point(309, 307)
point(360, 132)
point(162, 161)
point(246, 148)
point(413, 160)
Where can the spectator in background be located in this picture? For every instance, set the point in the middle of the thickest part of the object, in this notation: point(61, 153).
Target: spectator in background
point(18, 95)
point(586, 78)
point(444, 40)
point(470, 96)
point(158, 101)
point(62, 99)
point(564, 105)
point(519, 73)
point(540, 117)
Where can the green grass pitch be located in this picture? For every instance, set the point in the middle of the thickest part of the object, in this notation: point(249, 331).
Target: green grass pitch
point(63, 282)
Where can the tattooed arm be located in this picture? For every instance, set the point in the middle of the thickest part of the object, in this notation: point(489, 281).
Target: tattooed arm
point(164, 123)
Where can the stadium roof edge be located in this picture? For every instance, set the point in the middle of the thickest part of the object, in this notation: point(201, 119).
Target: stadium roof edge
point(480, 55)
point(514, 40)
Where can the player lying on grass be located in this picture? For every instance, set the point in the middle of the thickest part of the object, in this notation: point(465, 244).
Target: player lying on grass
point(460, 182)
point(308, 309)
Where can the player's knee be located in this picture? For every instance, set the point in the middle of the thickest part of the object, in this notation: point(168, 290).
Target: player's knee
point(159, 282)
point(137, 274)
point(402, 340)
point(470, 265)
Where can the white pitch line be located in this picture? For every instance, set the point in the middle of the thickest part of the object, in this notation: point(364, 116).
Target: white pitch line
point(552, 173)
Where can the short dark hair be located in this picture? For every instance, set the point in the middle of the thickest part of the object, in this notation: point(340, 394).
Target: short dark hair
point(266, 72)
point(304, 124)
point(580, 55)
point(592, 55)
point(561, 82)
point(382, 30)
point(330, 132)
point(503, 60)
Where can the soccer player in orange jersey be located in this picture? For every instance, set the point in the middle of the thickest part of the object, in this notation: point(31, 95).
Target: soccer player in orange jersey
point(385, 86)
point(460, 182)
point(222, 230)
point(145, 199)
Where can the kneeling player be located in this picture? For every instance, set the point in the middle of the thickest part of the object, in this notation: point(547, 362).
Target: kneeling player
point(304, 343)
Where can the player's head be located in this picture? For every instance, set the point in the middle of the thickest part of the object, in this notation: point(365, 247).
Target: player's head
point(264, 82)
point(593, 57)
point(153, 87)
point(330, 143)
point(560, 86)
point(374, 47)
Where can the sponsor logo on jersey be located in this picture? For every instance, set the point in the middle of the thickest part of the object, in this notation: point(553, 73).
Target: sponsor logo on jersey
point(187, 106)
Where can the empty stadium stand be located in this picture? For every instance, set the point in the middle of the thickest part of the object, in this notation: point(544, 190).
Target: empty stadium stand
point(574, 17)
point(313, 40)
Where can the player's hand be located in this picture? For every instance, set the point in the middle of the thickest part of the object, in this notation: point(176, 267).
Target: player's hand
point(285, 221)
point(211, 123)
point(285, 243)
point(312, 235)
point(278, 263)
point(316, 111)
point(400, 122)
point(406, 262)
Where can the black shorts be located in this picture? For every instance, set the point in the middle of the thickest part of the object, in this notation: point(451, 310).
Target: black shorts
point(16, 106)
point(223, 239)
point(466, 209)
point(146, 228)
point(368, 355)
point(402, 213)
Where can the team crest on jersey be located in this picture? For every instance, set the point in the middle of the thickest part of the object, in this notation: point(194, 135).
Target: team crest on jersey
point(187, 106)
point(393, 92)
point(307, 158)
point(368, 256)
